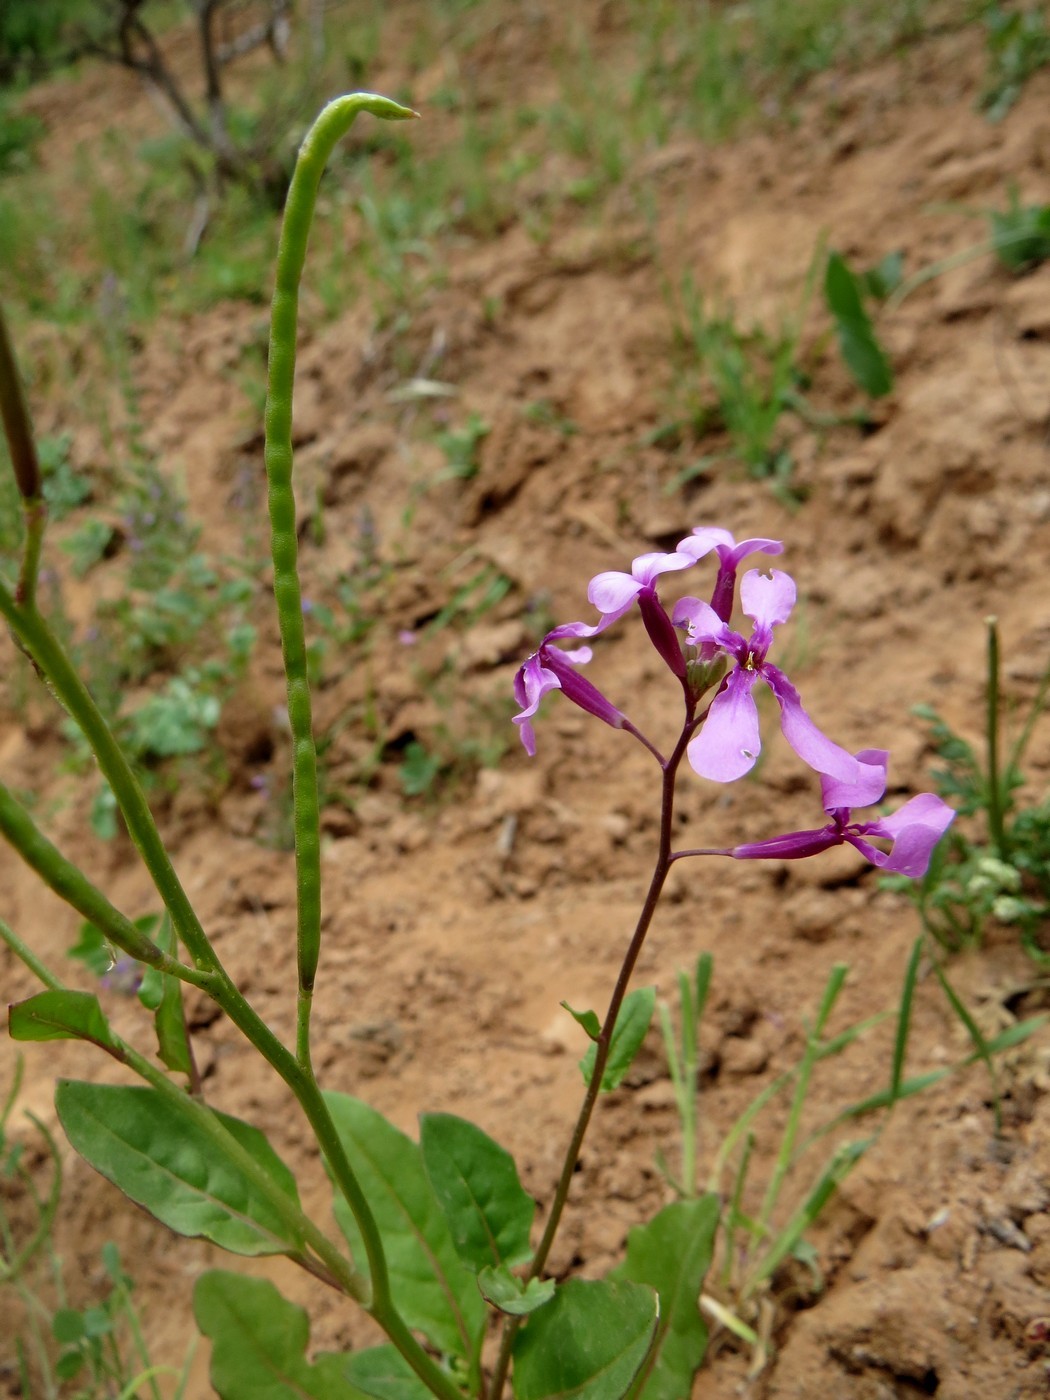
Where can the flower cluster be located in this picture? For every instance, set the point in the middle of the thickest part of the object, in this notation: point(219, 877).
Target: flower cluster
point(705, 654)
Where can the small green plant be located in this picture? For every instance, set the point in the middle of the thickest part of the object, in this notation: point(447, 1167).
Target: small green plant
point(750, 383)
point(419, 769)
point(64, 490)
point(844, 292)
point(461, 447)
point(755, 1239)
point(997, 866)
point(1018, 45)
point(1021, 235)
point(739, 381)
point(545, 414)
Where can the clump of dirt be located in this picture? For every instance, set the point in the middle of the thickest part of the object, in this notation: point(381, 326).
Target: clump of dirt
point(454, 925)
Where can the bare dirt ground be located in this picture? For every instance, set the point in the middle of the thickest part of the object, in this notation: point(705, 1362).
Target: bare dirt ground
point(456, 923)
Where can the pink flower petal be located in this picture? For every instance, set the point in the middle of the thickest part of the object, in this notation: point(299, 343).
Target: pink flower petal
point(768, 600)
point(914, 830)
point(704, 624)
point(648, 567)
point(732, 557)
point(613, 592)
point(728, 744)
point(869, 787)
point(704, 539)
point(802, 734)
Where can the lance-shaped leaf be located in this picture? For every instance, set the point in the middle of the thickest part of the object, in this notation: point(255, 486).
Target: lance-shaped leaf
point(60, 1015)
point(259, 1343)
point(165, 1160)
point(433, 1290)
point(477, 1186)
point(673, 1254)
point(861, 350)
point(588, 1344)
point(628, 1034)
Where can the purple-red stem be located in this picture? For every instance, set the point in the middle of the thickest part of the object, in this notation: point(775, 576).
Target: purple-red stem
point(604, 1042)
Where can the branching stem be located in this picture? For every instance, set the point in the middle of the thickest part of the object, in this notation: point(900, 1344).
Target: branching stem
point(661, 866)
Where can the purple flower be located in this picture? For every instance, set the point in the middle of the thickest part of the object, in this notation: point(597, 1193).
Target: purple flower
point(730, 554)
point(913, 830)
point(729, 743)
point(613, 593)
point(551, 668)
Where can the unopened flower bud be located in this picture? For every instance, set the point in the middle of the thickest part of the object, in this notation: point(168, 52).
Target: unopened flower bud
point(702, 675)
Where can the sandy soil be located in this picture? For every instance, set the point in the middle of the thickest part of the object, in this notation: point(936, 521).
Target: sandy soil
point(456, 922)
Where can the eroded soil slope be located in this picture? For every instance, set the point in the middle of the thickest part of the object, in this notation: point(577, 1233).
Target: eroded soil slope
point(456, 922)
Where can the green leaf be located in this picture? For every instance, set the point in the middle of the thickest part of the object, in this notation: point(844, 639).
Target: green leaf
point(863, 354)
point(673, 1254)
point(63, 1015)
point(165, 1162)
point(259, 1343)
point(1021, 236)
point(432, 1289)
point(380, 1372)
point(477, 1186)
point(93, 949)
point(841, 1164)
point(69, 1364)
point(67, 1326)
point(588, 1344)
point(631, 1026)
point(96, 1323)
point(507, 1292)
point(882, 280)
point(587, 1019)
point(162, 994)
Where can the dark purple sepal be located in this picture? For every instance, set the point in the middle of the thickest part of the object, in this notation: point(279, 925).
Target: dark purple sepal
point(662, 631)
point(580, 690)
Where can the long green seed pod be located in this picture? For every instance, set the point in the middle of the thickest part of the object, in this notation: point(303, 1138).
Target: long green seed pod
point(330, 126)
point(15, 417)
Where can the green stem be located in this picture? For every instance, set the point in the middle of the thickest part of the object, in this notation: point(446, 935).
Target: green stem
point(50, 656)
point(332, 124)
point(36, 967)
point(14, 414)
point(996, 825)
point(35, 514)
point(72, 885)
